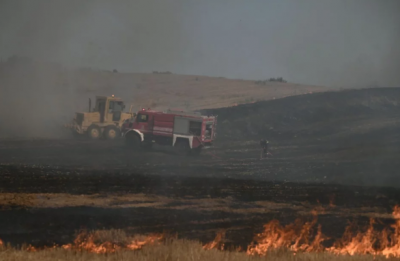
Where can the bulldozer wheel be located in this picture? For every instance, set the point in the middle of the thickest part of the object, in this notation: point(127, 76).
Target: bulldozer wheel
point(94, 132)
point(111, 132)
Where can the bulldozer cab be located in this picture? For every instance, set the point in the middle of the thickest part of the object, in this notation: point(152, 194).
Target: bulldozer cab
point(110, 108)
point(105, 119)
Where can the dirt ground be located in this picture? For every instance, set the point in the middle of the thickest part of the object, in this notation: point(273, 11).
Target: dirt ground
point(49, 189)
point(332, 154)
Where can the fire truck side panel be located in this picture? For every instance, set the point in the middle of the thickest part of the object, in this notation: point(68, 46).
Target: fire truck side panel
point(188, 128)
point(170, 128)
point(177, 137)
point(163, 125)
point(162, 129)
point(181, 125)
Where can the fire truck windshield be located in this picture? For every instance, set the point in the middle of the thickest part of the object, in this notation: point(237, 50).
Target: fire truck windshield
point(142, 117)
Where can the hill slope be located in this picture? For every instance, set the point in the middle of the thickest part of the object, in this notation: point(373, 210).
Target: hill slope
point(314, 115)
point(52, 93)
point(350, 137)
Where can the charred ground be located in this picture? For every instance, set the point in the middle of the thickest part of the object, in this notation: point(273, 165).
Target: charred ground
point(325, 146)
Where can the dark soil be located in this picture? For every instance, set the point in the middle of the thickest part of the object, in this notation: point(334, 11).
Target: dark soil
point(324, 146)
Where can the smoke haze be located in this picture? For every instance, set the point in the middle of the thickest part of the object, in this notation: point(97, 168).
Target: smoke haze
point(334, 43)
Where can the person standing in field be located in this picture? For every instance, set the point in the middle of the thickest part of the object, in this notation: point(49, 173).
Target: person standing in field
point(264, 148)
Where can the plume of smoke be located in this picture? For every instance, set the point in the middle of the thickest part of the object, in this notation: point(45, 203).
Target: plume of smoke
point(335, 43)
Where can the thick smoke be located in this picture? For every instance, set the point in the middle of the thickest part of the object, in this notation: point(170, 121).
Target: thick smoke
point(135, 36)
point(334, 43)
point(40, 89)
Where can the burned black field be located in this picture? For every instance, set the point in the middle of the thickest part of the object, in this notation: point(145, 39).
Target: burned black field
point(46, 203)
point(193, 207)
point(341, 168)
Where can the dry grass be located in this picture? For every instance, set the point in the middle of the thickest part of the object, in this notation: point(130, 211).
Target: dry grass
point(171, 250)
point(182, 91)
point(22, 200)
point(51, 200)
point(155, 90)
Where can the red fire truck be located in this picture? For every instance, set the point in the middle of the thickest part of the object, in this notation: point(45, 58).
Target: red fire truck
point(187, 132)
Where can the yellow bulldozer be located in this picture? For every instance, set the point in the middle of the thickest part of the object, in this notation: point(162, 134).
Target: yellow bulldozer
point(104, 121)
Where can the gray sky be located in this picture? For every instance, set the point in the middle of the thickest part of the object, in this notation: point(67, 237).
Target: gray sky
point(349, 43)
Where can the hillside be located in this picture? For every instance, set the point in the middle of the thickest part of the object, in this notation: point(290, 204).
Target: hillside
point(313, 115)
point(51, 93)
point(350, 137)
point(161, 91)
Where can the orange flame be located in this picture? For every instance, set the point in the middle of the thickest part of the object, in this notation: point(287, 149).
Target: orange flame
point(296, 237)
point(85, 242)
point(136, 244)
point(331, 201)
point(361, 243)
point(217, 242)
point(384, 243)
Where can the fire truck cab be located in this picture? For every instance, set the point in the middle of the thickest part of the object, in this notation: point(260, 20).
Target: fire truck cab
point(187, 132)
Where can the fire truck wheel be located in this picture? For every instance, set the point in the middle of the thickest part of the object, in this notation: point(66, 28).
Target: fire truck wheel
point(111, 132)
point(94, 132)
point(132, 141)
point(182, 147)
